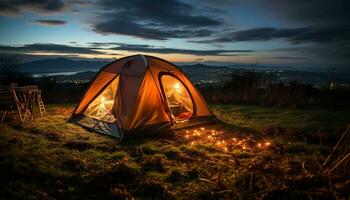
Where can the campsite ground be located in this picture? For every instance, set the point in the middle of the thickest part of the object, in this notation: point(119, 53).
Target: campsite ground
point(53, 159)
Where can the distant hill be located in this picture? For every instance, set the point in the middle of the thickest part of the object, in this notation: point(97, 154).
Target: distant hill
point(201, 67)
point(87, 69)
point(60, 65)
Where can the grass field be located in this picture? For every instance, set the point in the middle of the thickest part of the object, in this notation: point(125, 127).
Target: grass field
point(53, 159)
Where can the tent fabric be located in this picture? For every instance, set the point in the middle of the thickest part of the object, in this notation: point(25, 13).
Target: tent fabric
point(139, 92)
point(97, 85)
point(150, 108)
point(101, 108)
point(100, 126)
point(178, 99)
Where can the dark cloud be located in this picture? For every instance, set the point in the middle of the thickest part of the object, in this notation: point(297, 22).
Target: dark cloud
point(16, 7)
point(286, 58)
point(160, 21)
point(320, 52)
point(152, 49)
point(52, 48)
point(311, 12)
point(59, 48)
point(50, 22)
point(293, 35)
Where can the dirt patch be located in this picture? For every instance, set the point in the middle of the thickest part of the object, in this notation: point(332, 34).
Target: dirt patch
point(107, 147)
point(153, 164)
point(52, 136)
point(74, 164)
point(154, 189)
point(79, 145)
point(61, 111)
point(123, 173)
point(176, 176)
point(120, 193)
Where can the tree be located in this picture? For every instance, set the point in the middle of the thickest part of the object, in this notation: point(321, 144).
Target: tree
point(9, 71)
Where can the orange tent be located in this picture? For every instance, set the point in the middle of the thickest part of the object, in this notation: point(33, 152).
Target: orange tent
point(139, 92)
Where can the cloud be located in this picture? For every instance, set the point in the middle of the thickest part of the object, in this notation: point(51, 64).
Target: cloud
point(44, 48)
point(330, 52)
point(293, 35)
point(159, 21)
point(312, 12)
point(152, 49)
point(66, 49)
point(50, 22)
point(17, 7)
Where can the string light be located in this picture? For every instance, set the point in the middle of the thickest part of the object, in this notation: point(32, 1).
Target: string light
point(215, 137)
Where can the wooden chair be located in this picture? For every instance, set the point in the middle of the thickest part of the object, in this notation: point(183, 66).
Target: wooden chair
point(21, 106)
point(20, 101)
point(35, 96)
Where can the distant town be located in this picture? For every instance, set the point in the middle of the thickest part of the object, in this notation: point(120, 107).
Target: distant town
point(65, 71)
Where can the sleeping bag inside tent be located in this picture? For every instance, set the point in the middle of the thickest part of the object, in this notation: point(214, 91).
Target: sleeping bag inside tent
point(138, 93)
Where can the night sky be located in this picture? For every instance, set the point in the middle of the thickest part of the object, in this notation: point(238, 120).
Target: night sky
point(303, 34)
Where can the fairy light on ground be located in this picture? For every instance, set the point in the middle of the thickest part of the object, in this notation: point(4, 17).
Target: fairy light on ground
point(222, 142)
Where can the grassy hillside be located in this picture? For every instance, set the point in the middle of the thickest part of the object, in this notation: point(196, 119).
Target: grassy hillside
point(53, 159)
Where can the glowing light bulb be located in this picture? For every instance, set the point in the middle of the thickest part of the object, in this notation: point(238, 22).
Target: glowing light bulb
point(202, 129)
point(177, 86)
point(103, 99)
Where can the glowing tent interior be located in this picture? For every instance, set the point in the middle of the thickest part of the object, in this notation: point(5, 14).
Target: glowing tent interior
point(138, 93)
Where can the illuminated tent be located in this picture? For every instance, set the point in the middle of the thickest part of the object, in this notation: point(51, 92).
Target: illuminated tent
point(140, 94)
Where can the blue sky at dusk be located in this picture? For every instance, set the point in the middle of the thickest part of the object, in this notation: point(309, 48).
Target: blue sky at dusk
point(302, 34)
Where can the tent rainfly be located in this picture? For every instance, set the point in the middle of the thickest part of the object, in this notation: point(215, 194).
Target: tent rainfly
point(138, 93)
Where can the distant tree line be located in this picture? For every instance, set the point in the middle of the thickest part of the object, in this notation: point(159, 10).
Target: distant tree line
point(52, 92)
point(254, 88)
point(9, 71)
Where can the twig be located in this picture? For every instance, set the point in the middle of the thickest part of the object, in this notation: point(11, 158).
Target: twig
point(337, 165)
point(207, 181)
point(251, 181)
point(267, 182)
point(223, 191)
point(303, 168)
point(337, 145)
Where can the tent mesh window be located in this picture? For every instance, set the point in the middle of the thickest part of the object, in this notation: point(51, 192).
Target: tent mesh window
point(178, 98)
point(101, 107)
